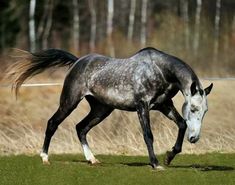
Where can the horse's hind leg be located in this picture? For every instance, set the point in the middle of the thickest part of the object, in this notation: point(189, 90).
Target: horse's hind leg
point(68, 102)
point(52, 126)
point(97, 114)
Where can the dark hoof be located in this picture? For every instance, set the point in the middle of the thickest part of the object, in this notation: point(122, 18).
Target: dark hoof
point(168, 158)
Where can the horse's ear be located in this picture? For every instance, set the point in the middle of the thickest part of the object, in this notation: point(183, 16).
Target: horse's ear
point(193, 88)
point(208, 89)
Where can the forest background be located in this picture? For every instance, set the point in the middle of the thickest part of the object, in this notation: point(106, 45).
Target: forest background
point(201, 32)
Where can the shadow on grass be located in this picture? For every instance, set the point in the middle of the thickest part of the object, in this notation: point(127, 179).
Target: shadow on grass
point(204, 167)
point(70, 161)
point(136, 164)
point(200, 167)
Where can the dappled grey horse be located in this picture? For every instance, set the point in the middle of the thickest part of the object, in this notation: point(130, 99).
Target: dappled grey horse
point(146, 81)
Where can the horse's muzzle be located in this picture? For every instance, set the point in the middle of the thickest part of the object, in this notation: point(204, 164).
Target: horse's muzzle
point(193, 139)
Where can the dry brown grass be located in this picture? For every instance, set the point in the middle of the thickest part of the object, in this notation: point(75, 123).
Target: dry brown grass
point(23, 123)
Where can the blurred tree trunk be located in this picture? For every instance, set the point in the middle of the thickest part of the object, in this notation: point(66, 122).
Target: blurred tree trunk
point(143, 22)
point(32, 32)
point(75, 26)
point(233, 29)
point(48, 25)
point(101, 23)
point(197, 27)
point(110, 27)
point(92, 8)
point(185, 16)
point(42, 24)
point(131, 20)
point(2, 34)
point(216, 29)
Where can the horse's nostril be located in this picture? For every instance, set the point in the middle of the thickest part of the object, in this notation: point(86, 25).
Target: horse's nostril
point(192, 139)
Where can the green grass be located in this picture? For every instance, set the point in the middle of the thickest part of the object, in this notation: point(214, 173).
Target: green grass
point(72, 169)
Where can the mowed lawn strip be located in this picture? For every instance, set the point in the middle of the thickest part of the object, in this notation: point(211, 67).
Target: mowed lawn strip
point(67, 169)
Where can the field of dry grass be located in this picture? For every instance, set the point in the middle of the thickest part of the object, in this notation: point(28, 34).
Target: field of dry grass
point(23, 123)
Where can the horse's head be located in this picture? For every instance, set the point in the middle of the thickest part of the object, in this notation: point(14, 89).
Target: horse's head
point(194, 110)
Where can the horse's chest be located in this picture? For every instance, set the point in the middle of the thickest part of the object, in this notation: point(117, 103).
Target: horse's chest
point(163, 95)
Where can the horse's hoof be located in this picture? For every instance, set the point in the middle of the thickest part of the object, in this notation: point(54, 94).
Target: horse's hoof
point(44, 157)
point(94, 161)
point(168, 158)
point(158, 167)
point(46, 162)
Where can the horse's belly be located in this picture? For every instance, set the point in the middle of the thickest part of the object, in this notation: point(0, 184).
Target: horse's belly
point(116, 98)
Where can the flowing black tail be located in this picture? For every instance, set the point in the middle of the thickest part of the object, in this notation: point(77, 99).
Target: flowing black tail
point(35, 63)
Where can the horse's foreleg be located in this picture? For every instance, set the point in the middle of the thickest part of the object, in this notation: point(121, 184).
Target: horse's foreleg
point(143, 114)
point(97, 114)
point(178, 145)
point(170, 111)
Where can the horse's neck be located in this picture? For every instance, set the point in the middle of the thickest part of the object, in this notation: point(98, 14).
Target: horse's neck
point(177, 70)
point(185, 77)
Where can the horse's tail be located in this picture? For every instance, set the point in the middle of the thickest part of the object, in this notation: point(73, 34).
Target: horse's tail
point(35, 63)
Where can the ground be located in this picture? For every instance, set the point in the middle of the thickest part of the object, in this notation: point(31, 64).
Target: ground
point(213, 168)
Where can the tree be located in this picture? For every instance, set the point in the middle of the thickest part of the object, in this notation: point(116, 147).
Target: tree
point(143, 23)
point(32, 31)
point(197, 27)
point(48, 25)
point(185, 16)
point(110, 27)
point(216, 29)
point(93, 24)
point(131, 20)
point(75, 26)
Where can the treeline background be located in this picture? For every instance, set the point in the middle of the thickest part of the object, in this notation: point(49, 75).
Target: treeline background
point(201, 32)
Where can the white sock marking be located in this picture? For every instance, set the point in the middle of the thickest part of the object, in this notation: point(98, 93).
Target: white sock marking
point(44, 157)
point(87, 152)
